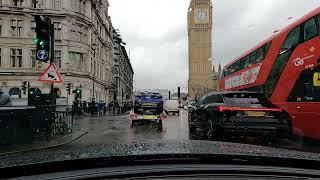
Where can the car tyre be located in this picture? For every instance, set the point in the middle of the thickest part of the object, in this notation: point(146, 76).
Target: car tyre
point(160, 125)
point(134, 123)
point(213, 132)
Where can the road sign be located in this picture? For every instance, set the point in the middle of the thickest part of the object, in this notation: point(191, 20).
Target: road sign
point(51, 75)
point(42, 55)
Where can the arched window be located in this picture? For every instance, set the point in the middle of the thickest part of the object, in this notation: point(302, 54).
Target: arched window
point(15, 93)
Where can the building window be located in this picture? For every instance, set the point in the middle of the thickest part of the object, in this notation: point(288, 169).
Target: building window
point(16, 57)
point(16, 27)
point(33, 28)
point(38, 4)
point(56, 4)
point(77, 59)
point(72, 32)
point(58, 57)
point(79, 33)
point(17, 3)
point(57, 30)
point(0, 26)
point(79, 6)
point(33, 58)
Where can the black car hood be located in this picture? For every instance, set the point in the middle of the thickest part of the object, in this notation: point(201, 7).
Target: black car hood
point(68, 152)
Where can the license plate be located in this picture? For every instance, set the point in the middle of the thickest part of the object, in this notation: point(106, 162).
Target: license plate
point(255, 113)
point(149, 104)
point(149, 117)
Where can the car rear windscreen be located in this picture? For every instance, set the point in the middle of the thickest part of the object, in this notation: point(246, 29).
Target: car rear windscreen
point(247, 100)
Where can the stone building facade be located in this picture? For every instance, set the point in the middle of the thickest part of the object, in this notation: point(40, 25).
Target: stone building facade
point(122, 71)
point(83, 46)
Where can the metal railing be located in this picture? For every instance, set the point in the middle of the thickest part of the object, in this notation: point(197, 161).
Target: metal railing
point(52, 120)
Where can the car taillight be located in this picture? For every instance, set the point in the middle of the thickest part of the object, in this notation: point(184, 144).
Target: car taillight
point(163, 117)
point(222, 108)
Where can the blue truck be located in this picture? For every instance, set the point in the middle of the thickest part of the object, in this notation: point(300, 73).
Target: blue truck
point(147, 107)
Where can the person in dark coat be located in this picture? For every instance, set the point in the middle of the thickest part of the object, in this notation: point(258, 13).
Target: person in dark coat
point(5, 99)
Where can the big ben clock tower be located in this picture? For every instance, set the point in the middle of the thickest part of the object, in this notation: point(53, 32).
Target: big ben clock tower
point(200, 47)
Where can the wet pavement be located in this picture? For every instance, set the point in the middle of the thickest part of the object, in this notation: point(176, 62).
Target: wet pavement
point(111, 130)
point(118, 130)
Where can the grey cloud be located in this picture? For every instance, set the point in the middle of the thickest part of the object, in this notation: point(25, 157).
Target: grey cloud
point(162, 61)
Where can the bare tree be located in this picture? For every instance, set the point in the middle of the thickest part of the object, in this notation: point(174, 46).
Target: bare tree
point(199, 91)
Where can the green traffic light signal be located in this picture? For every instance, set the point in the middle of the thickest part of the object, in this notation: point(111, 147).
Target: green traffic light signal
point(42, 43)
point(36, 40)
point(44, 33)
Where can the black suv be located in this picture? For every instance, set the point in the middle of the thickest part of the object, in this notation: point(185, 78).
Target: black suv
point(219, 114)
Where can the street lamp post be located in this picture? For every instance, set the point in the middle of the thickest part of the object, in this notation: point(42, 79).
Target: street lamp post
point(93, 48)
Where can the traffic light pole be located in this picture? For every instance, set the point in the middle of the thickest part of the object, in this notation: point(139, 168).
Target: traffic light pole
point(51, 53)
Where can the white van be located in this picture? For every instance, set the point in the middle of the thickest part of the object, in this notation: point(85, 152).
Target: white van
point(171, 106)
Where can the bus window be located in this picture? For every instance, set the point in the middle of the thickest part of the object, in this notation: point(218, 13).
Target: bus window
point(305, 90)
point(260, 54)
point(292, 39)
point(266, 48)
point(235, 67)
point(246, 62)
point(319, 24)
point(310, 29)
point(253, 57)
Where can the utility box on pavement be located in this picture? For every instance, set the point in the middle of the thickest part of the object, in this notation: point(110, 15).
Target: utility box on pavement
point(15, 124)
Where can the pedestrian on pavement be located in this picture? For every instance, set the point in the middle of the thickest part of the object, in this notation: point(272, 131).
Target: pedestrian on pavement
point(5, 99)
point(100, 108)
point(92, 106)
point(104, 109)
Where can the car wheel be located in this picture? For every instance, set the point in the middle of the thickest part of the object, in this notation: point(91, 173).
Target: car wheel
point(213, 132)
point(160, 126)
point(134, 122)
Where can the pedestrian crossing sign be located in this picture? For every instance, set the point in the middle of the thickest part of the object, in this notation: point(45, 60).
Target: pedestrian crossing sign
point(51, 75)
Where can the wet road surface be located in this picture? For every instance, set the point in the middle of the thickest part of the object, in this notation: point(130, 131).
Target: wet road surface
point(118, 130)
point(112, 133)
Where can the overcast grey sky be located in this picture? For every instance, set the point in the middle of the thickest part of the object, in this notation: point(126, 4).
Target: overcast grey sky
point(156, 33)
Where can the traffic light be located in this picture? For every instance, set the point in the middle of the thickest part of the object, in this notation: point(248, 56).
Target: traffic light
point(24, 87)
point(69, 88)
point(35, 91)
point(77, 92)
point(42, 39)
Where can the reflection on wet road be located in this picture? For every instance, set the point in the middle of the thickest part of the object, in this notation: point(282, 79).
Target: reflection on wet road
point(117, 129)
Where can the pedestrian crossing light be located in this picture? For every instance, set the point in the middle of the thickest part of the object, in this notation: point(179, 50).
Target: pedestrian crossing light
point(43, 38)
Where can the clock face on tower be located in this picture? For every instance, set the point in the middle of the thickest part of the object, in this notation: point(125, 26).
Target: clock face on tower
point(202, 15)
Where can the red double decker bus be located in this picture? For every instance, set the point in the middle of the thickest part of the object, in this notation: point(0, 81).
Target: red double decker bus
point(286, 68)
